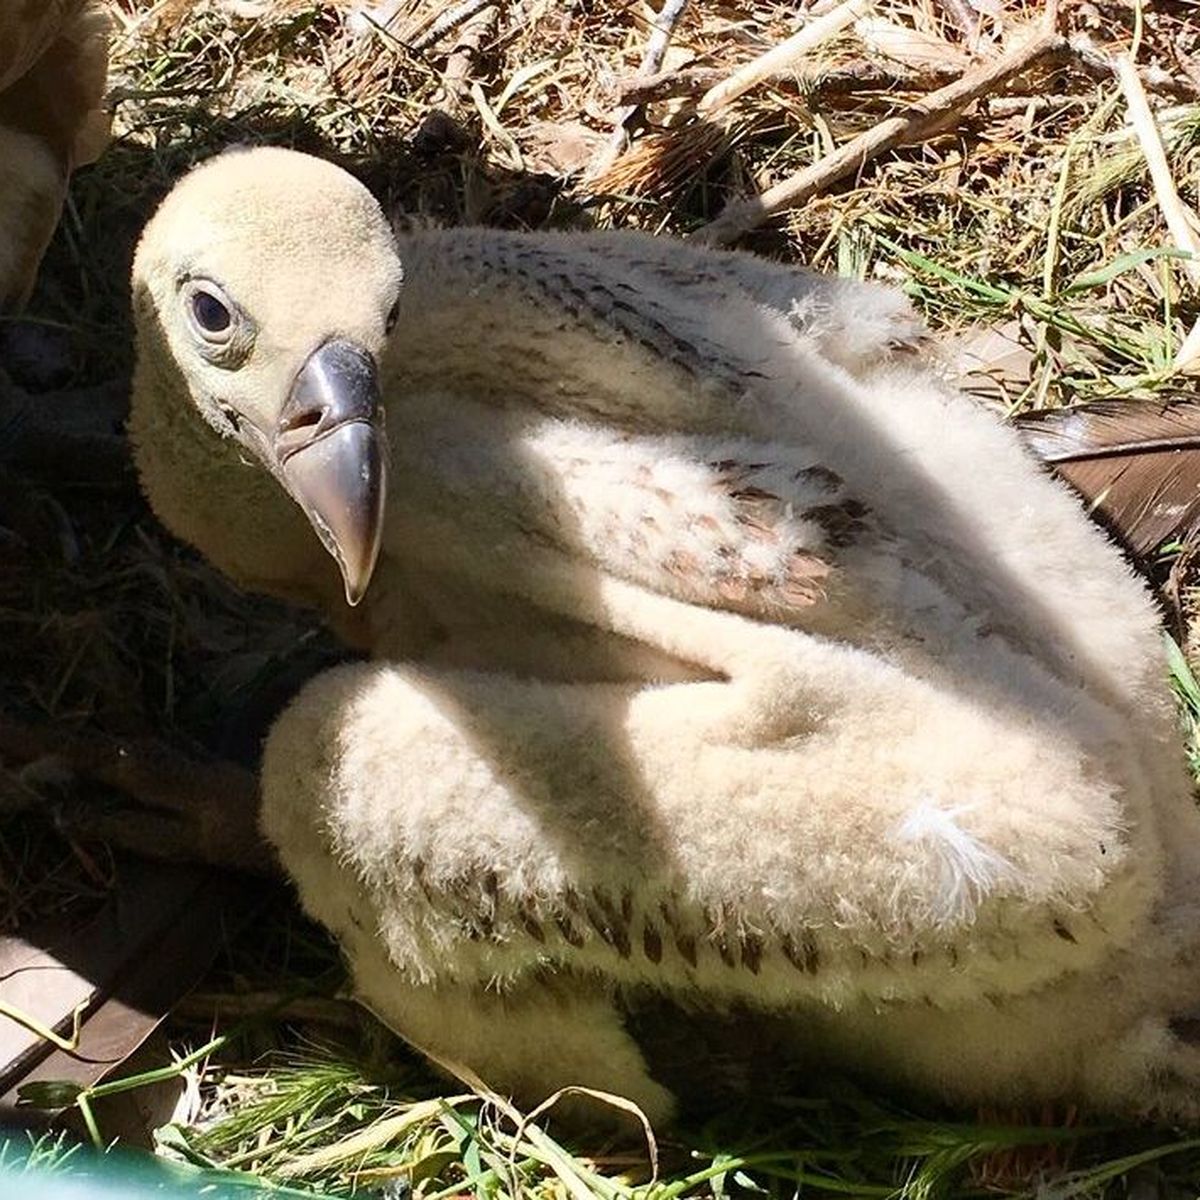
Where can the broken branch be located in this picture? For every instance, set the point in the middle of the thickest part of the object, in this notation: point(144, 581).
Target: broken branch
point(859, 75)
point(1179, 224)
point(1165, 192)
point(783, 56)
point(921, 120)
point(652, 59)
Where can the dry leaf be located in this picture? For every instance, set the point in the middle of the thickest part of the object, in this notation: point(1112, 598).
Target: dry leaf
point(920, 50)
point(563, 147)
point(991, 362)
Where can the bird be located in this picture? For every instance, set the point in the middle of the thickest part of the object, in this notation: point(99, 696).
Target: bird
point(53, 69)
point(726, 669)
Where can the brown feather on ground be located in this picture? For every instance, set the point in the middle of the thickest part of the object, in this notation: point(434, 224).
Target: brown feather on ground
point(1136, 463)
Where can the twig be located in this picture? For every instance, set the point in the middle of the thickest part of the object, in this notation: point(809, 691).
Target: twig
point(1008, 106)
point(1083, 54)
point(965, 18)
point(1179, 224)
point(1165, 192)
point(442, 125)
point(447, 21)
point(652, 59)
point(921, 120)
point(455, 77)
point(780, 57)
point(858, 75)
point(637, 89)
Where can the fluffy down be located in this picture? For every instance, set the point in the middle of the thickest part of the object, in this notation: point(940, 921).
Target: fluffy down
point(724, 657)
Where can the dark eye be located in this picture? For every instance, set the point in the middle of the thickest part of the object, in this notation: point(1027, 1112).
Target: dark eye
point(392, 317)
point(211, 315)
point(210, 312)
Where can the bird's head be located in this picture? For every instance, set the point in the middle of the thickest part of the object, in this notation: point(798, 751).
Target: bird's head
point(269, 280)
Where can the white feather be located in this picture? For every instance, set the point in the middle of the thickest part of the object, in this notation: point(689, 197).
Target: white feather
point(968, 870)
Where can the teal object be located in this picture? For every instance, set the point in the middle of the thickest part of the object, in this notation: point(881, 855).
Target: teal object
point(54, 1170)
point(115, 1179)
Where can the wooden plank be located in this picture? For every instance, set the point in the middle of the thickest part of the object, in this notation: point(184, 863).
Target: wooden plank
point(148, 946)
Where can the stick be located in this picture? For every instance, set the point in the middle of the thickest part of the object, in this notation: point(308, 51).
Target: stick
point(447, 21)
point(963, 16)
point(1093, 62)
point(855, 76)
point(442, 125)
point(1165, 192)
point(632, 90)
point(1169, 203)
point(783, 56)
point(867, 75)
point(656, 48)
point(922, 120)
point(462, 57)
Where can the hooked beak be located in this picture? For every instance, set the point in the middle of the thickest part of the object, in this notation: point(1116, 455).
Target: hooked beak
point(330, 454)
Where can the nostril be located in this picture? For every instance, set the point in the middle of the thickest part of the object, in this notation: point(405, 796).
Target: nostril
point(336, 385)
point(308, 418)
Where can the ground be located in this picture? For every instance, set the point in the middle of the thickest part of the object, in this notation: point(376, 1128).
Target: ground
point(1032, 214)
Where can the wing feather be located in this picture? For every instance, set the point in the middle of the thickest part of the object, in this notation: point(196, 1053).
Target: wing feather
point(724, 524)
point(1136, 464)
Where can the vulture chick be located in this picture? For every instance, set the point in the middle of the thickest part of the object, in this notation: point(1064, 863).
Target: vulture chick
point(726, 664)
point(53, 65)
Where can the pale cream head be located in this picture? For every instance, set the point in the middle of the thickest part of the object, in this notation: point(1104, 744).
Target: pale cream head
point(269, 278)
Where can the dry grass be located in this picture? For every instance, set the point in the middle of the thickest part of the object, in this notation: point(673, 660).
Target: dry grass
point(1033, 212)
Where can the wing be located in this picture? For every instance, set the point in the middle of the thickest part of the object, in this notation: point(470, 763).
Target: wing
point(636, 358)
point(650, 333)
point(726, 524)
point(561, 329)
point(1135, 463)
point(848, 321)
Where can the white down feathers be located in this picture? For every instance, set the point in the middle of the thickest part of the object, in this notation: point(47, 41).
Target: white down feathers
point(721, 650)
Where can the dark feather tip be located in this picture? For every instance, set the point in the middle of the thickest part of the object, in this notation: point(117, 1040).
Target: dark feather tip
point(1135, 463)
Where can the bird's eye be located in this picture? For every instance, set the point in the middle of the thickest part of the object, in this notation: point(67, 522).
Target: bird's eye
point(210, 311)
point(211, 315)
point(392, 317)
